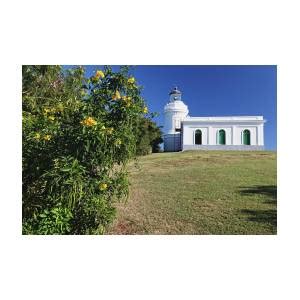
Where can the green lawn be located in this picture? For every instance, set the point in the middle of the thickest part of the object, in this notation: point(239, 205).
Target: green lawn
point(200, 192)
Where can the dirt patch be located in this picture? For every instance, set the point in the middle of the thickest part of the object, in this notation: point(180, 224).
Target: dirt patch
point(125, 227)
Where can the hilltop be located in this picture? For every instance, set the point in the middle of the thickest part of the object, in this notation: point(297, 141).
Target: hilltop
point(201, 192)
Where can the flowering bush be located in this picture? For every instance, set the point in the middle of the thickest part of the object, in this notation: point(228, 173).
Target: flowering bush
point(78, 135)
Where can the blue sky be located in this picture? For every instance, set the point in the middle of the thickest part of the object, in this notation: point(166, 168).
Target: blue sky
point(212, 91)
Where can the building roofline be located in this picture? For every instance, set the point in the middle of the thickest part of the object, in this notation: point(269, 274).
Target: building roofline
point(225, 119)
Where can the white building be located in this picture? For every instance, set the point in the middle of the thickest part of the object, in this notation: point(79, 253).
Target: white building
point(182, 132)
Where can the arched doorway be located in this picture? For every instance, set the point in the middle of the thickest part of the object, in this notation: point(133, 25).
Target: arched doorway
point(198, 137)
point(246, 137)
point(222, 137)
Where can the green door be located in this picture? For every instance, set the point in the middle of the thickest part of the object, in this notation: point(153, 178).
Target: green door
point(246, 137)
point(222, 137)
point(198, 137)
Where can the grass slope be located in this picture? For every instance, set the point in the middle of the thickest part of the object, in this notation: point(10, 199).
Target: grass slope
point(201, 192)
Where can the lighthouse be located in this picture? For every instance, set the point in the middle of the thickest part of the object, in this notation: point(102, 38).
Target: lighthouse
point(175, 112)
point(182, 132)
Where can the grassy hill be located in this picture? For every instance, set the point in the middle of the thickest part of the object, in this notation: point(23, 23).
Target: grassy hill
point(200, 192)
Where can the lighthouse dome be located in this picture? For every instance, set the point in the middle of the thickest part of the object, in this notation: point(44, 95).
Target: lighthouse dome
point(175, 90)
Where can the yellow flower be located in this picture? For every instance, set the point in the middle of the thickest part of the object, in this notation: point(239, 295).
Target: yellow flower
point(94, 79)
point(127, 100)
point(37, 136)
point(60, 107)
point(110, 130)
point(89, 122)
point(103, 186)
point(116, 96)
point(51, 118)
point(145, 110)
point(46, 110)
point(131, 80)
point(47, 137)
point(99, 74)
point(118, 142)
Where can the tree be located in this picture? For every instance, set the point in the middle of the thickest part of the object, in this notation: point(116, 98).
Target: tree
point(149, 137)
point(78, 135)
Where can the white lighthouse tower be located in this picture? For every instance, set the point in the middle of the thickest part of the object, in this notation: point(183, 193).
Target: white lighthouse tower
point(175, 112)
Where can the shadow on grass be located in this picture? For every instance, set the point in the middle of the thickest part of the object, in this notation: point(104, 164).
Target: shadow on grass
point(270, 191)
point(261, 216)
point(257, 215)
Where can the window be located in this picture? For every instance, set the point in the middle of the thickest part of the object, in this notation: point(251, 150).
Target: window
point(222, 137)
point(198, 137)
point(246, 137)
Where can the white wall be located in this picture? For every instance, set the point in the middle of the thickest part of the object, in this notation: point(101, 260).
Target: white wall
point(172, 119)
point(215, 130)
point(233, 133)
point(189, 135)
point(174, 113)
point(261, 135)
point(238, 138)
